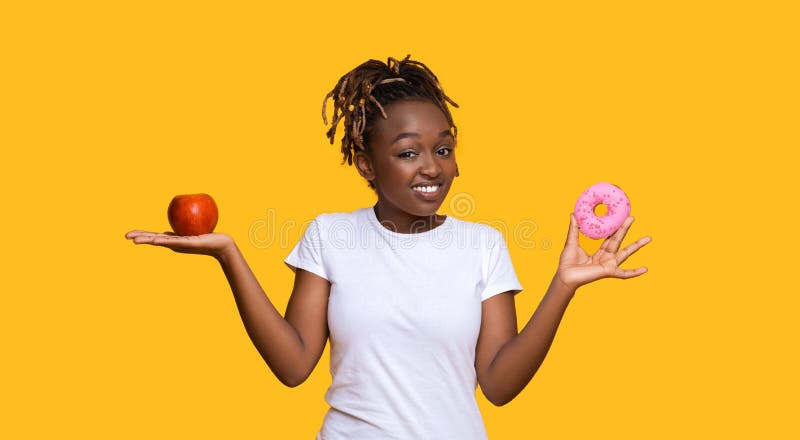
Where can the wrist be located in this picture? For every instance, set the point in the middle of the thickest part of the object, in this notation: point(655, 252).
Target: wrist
point(226, 253)
point(561, 287)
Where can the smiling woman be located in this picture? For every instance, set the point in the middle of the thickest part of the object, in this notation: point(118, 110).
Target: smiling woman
point(411, 164)
point(400, 134)
point(419, 307)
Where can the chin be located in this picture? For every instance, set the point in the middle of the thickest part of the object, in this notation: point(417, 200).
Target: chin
point(427, 213)
point(426, 210)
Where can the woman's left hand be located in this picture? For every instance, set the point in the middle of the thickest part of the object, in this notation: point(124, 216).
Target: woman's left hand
point(576, 267)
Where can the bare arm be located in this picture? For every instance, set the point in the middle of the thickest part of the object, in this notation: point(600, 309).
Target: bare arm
point(290, 346)
point(506, 361)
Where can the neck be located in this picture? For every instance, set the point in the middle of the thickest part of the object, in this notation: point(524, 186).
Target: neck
point(405, 223)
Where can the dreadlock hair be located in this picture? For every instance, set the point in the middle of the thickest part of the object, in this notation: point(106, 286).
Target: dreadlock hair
point(361, 95)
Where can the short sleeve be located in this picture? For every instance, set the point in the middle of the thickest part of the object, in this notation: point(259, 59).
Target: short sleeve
point(498, 271)
point(307, 253)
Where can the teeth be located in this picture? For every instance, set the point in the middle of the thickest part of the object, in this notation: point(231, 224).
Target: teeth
point(426, 189)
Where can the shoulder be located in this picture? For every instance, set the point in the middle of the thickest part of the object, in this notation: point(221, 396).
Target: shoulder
point(485, 234)
point(355, 215)
point(327, 221)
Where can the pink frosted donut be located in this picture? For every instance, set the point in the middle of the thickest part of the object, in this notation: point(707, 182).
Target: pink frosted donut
point(616, 202)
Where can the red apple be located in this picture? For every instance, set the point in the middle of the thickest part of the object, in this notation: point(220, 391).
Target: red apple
point(192, 214)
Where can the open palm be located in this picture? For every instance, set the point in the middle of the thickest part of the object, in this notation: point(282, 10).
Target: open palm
point(576, 267)
point(207, 244)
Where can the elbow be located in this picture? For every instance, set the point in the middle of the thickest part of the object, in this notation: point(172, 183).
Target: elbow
point(499, 398)
point(292, 381)
point(291, 374)
point(494, 397)
point(287, 378)
point(498, 401)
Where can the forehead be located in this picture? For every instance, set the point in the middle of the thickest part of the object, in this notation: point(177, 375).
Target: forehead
point(422, 117)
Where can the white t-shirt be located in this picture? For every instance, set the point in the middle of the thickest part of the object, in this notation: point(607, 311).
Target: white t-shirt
point(404, 314)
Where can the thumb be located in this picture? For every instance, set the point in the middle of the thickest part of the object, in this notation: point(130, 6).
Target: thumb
point(572, 233)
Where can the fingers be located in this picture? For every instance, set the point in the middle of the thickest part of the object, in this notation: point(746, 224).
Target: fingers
point(625, 274)
point(631, 248)
point(140, 237)
point(147, 235)
point(149, 238)
point(572, 234)
point(612, 243)
point(137, 232)
point(134, 233)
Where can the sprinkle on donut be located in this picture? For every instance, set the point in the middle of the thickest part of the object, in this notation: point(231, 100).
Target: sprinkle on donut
point(616, 202)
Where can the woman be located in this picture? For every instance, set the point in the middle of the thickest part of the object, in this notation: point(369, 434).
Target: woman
point(419, 307)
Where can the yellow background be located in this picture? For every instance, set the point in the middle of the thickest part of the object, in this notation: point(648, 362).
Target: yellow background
point(109, 109)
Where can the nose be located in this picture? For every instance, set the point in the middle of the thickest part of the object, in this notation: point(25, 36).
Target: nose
point(430, 166)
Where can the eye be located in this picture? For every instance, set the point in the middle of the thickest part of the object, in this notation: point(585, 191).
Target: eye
point(406, 154)
point(445, 151)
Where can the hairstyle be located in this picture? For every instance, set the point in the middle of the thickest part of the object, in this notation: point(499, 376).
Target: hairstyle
point(361, 95)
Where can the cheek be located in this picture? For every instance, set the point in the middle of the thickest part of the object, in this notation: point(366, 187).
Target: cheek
point(449, 165)
point(398, 170)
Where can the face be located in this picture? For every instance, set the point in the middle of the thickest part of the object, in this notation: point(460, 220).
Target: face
point(412, 147)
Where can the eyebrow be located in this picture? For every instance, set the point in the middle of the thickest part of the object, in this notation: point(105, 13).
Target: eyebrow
point(401, 136)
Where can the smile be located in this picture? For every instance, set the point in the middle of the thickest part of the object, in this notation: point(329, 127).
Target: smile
point(427, 189)
point(428, 192)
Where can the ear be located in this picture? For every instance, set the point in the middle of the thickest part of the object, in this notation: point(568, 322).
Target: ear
point(457, 171)
point(363, 163)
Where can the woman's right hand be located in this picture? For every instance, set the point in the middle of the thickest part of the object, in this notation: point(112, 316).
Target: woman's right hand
point(214, 244)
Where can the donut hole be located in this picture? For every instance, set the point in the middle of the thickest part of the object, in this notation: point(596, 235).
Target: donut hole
point(600, 210)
